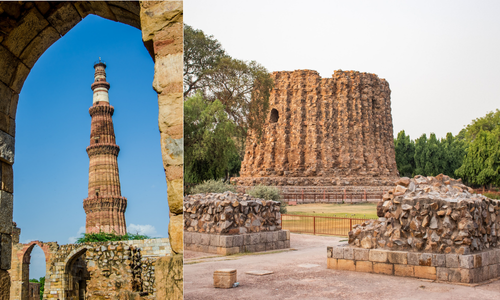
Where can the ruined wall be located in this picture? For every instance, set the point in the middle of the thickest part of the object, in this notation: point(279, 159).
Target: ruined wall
point(152, 247)
point(432, 215)
point(230, 213)
point(323, 131)
point(34, 291)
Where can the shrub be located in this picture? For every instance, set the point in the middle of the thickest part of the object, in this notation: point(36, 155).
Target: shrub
point(268, 193)
point(107, 237)
point(492, 196)
point(212, 186)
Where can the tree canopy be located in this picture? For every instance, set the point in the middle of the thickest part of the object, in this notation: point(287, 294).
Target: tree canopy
point(224, 98)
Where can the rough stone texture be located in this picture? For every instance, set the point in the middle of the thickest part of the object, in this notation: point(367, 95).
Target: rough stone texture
point(323, 131)
point(162, 33)
point(471, 268)
point(33, 291)
point(230, 213)
point(28, 29)
point(4, 285)
point(169, 277)
point(225, 278)
point(236, 243)
point(105, 269)
point(432, 215)
point(105, 207)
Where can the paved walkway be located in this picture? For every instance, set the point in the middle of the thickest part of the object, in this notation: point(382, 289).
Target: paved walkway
point(302, 274)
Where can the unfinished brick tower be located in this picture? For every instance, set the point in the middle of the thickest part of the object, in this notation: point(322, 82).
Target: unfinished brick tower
point(105, 206)
point(323, 132)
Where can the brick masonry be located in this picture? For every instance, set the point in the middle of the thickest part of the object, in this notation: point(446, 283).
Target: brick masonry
point(237, 243)
point(456, 268)
point(323, 132)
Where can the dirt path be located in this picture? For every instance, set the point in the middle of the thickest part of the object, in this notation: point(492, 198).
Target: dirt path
point(302, 274)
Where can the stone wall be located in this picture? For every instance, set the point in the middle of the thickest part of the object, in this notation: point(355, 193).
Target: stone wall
point(230, 213)
point(237, 243)
point(152, 247)
point(431, 214)
point(323, 131)
point(34, 291)
point(451, 267)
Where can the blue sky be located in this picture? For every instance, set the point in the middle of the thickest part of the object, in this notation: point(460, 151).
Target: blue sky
point(53, 130)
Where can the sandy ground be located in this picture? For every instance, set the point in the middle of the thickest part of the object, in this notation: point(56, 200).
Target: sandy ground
point(302, 274)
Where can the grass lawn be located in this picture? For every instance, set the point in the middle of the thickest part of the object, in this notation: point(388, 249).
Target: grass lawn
point(361, 210)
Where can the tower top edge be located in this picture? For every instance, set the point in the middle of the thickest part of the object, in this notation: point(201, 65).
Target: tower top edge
point(99, 63)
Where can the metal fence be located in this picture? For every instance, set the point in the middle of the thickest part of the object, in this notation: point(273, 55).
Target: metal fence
point(319, 225)
point(301, 198)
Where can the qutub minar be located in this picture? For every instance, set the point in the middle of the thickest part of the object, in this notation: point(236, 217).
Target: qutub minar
point(105, 206)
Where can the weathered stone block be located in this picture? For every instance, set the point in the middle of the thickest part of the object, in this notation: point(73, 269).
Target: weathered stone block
point(260, 247)
point(378, 255)
point(425, 260)
point(237, 240)
point(329, 251)
point(224, 278)
point(254, 239)
point(5, 251)
point(466, 261)
point(282, 235)
point(403, 270)
point(287, 244)
point(442, 273)
point(205, 239)
point(214, 240)
point(346, 265)
point(187, 237)
point(275, 236)
point(397, 257)
point(439, 260)
point(466, 275)
point(493, 271)
point(364, 266)
point(425, 272)
point(454, 275)
point(452, 261)
point(486, 273)
point(280, 244)
point(414, 258)
point(6, 209)
point(331, 263)
point(383, 268)
point(348, 253)
point(6, 147)
point(226, 241)
point(478, 260)
point(361, 254)
point(287, 234)
point(250, 248)
point(338, 252)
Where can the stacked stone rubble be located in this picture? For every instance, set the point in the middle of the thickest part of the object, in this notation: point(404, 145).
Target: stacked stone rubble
point(323, 131)
point(230, 213)
point(431, 214)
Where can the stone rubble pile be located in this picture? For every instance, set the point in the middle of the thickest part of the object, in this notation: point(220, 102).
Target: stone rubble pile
point(230, 213)
point(431, 214)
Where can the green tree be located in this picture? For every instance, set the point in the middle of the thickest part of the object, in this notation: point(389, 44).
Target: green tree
point(481, 165)
point(420, 158)
point(202, 53)
point(405, 154)
point(433, 156)
point(209, 146)
point(242, 87)
point(453, 154)
point(487, 123)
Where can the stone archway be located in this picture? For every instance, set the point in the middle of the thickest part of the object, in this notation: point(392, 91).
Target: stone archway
point(19, 271)
point(71, 281)
point(28, 29)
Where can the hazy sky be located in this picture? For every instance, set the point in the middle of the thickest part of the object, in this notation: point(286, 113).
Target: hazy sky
point(53, 130)
point(441, 58)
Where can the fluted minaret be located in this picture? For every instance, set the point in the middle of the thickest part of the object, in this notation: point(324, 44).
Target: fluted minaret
point(105, 206)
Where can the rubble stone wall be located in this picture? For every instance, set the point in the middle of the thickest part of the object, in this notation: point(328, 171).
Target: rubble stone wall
point(323, 131)
point(152, 247)
point(230, 213)
point(431, 214)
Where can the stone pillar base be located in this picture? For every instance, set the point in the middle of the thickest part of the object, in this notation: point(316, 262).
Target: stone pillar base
point(455, 268)
point(224, 278)
point(236, 243)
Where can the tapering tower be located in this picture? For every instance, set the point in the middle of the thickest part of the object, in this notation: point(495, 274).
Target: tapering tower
point(105, 206)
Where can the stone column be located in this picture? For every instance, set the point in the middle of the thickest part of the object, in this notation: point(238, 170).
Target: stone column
point(162, 33)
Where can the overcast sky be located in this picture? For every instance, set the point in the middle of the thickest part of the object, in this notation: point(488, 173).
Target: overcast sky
point(441, 58)
point(53, 130)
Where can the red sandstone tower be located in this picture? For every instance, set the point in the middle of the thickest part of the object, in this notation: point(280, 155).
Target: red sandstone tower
point(105, 206)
